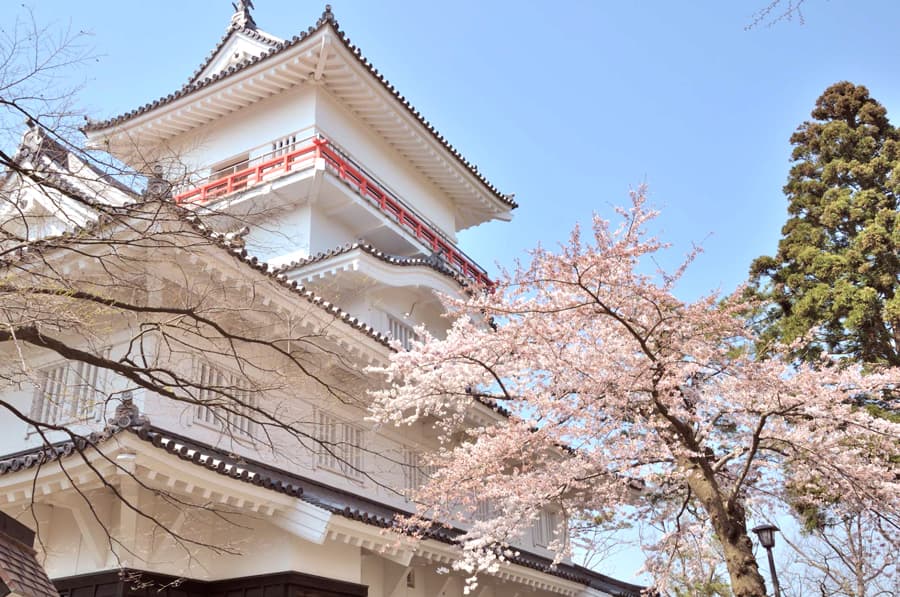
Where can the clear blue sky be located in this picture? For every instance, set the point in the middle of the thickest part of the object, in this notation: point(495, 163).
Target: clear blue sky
point(567, 104)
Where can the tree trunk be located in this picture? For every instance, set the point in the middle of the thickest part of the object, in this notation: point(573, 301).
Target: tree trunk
point(746, 581)
point(731, 530)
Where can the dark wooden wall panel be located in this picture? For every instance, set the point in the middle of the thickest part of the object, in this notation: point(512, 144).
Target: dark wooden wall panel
point(284, 584)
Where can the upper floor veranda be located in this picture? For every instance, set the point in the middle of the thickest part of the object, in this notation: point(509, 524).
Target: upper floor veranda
point(311, 196)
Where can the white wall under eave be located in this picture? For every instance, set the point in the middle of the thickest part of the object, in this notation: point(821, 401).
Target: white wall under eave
point(263, 548)
point(65, 547)
point(233, 134)
point(326, 232)
point(382, 161)
point(257, 546)
point(284, 239)
point(411, 305)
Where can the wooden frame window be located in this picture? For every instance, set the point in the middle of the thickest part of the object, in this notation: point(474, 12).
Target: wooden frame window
point(220, 389)
point(68, 392)
point(341, 445)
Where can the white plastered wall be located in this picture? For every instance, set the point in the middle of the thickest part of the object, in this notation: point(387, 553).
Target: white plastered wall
point(253, 127)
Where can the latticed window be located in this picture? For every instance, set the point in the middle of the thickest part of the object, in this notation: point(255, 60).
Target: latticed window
point(341, 445)
point(67, 392)
point(484, 509)
point(415, 471)
point(403, 332)
point(224, 402)
point(546, 527)
point(411, 474)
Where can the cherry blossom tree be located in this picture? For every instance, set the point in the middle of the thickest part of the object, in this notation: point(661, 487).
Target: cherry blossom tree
point(623, 402)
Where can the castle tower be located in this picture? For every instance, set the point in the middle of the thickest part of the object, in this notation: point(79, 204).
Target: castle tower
point(345, 185)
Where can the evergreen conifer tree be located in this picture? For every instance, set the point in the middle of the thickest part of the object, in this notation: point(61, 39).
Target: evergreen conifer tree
point(837, 269)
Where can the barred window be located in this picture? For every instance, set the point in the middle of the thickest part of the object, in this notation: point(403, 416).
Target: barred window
point(66, 393)
point(547, 527)
point(484, 509)
point(403, 332)
point(415, 472)
point(340, 446)
point(224, 402)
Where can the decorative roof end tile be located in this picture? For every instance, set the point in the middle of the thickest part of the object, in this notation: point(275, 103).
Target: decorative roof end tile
point(128, 415)
point(242, 19)
point(327, 17)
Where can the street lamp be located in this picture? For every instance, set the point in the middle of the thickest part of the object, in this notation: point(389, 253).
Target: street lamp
point(766, 534)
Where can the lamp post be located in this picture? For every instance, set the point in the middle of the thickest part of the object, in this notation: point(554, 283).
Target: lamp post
point(766, 534)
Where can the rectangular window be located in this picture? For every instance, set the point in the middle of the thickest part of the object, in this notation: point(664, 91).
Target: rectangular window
point(546, 527)
point(415, 472)
point(411, 472)
point(68, 392)
point(229, 167)
point(223, 402)
point(403, 332)
point(340, 446)
point(484, 510)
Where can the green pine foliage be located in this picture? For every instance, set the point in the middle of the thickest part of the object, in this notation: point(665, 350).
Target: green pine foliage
point(834, 283)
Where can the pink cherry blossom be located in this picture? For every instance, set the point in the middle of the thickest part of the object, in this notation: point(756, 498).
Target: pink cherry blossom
point(621, 401)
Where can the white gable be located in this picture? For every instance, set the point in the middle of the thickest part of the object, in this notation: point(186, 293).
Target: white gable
point(238, 46)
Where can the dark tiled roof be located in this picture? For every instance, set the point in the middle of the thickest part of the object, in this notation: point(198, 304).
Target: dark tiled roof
point(21, 572)
point(262, 475)
point(346, 504)
point(250, 32)
point(37, 457)
point(336, 501)
point(237, 250)
point(191, 86)
point(326, 20)
point(434, 262)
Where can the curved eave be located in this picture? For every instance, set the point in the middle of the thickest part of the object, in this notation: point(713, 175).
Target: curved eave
point(388, 273)
point(350, 79)
point(353, 328)
point(325, 57)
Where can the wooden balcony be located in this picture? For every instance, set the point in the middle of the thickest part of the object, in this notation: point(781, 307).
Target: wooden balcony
point(302, 156)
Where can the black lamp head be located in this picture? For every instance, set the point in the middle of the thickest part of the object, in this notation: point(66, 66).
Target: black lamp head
point(766, 534)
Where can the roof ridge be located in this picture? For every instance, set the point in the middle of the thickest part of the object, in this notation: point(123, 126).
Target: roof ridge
point(253, 33)
point(242, 16)
point(238, 251)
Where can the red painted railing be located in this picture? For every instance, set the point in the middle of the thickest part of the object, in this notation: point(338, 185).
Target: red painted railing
point(304, 157)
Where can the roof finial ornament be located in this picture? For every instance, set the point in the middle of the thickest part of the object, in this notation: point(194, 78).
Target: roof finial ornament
point(242, 18)
point(127, 413)
point(327, 17)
